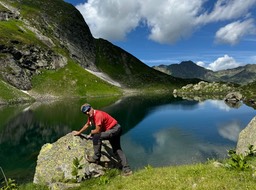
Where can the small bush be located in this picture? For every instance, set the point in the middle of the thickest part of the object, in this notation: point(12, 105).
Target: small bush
point(240, 161)
point(8, 184)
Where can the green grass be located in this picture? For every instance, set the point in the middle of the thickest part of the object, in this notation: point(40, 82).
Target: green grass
point(198, 176)
point(13, 30)
point(72, 81)
point(249, 93)
point(249, 90)
point(2, 8)
point(11, 95)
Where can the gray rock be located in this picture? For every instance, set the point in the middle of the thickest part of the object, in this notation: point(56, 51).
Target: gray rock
point(55, 161)
point(204, 90)
point(233, 97)
point(247, 137)
point(19, 65)
point(9, 13)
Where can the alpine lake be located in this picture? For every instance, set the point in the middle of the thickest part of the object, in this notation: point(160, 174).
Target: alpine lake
point(157, 130)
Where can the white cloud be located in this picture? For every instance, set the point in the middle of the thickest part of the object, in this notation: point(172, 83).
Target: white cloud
point(226, 10)
point(170, 20)
point(110, 19)
point(219, 104)
point(201, 64)
point(230, 130)
point(233, 32)
point(183, 148)
point(167, 20)
point(222, 63)
point(253, 58)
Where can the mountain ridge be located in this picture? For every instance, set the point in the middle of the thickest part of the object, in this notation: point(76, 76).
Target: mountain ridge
point(188, 69)
point(38, 38)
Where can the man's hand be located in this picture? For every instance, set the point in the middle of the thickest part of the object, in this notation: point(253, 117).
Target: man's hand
point(76, 133)
point(89, 136)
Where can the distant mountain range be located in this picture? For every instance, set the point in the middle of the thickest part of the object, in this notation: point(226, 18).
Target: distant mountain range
point(187, 70)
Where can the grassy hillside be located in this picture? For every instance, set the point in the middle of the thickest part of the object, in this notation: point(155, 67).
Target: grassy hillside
point(11, 95)
point(46, 16)
point(130, 71)
point(10, 32)
point(250, 88)
point(71, 81)
point(56, 28)
point(249, 91)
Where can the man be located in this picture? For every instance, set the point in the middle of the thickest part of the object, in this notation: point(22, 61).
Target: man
point(106, 128)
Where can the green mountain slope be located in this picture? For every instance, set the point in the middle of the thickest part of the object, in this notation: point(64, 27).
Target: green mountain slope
point(71, 81)
point(45, 47)
point(10, 94)
point(130, 71)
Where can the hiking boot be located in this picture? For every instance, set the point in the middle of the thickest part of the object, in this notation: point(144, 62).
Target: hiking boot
point(126, 172)
point(90, 159)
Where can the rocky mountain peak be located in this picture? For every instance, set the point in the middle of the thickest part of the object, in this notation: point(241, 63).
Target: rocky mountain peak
point(54, 29)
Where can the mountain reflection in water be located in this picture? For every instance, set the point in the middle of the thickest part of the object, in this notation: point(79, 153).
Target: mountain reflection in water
point(157, 131)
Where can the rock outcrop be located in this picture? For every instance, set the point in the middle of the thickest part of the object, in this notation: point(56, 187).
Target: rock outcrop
point(18, 66)
point(20, 60)
point(8, 12)
point(204, 90)
point(247, 137)
point(233, 97)
point(63, 162)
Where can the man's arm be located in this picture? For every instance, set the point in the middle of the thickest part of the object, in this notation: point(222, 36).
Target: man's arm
point(96, 130)
point(81, 130)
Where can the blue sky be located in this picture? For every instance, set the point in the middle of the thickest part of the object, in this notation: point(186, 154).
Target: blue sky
point(215, 34)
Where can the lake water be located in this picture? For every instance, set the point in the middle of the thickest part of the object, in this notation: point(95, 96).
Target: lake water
point(157, 131)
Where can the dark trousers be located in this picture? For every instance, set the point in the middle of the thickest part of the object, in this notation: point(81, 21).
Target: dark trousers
point(113, 135)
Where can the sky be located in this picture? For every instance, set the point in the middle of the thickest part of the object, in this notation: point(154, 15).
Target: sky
point(215, 34)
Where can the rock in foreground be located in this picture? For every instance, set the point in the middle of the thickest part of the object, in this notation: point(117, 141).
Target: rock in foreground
point(55, 163)
point(247, 137)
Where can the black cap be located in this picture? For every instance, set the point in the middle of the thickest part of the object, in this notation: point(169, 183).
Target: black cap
point(85, 108)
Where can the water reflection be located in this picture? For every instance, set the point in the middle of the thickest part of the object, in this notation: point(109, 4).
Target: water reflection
point(234, 104)
point(172, 146)
point(230, 130)
point(182, 132)
point(158, 131)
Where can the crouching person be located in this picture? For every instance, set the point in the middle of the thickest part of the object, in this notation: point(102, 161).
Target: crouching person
point(106, 128)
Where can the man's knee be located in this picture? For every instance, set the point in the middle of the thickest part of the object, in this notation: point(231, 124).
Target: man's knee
point(96, 139)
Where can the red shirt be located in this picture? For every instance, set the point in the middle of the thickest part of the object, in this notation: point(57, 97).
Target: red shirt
point(102, 119)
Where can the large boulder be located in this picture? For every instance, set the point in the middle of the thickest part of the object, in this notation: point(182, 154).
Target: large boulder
point(233, 97)
point(247, 137)
point(63, 162)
